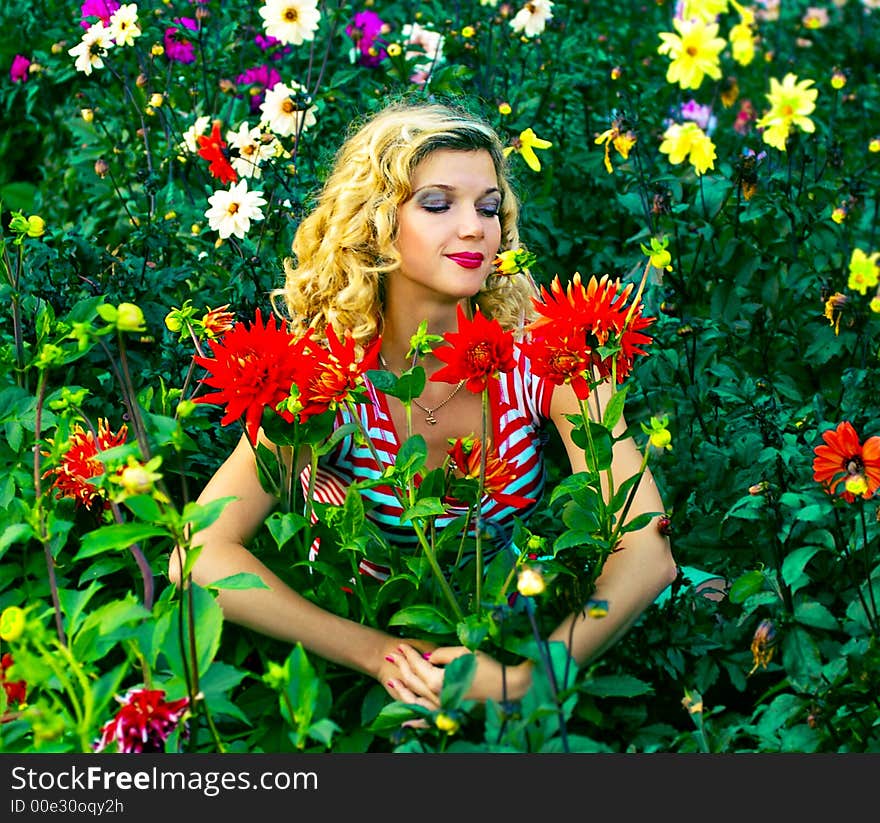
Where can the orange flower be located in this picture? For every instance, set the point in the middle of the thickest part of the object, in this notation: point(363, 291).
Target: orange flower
point(217, 322)
point(465, 454)
point(330, 375)
point(478, 351)
point(763, 645)
point(80, 463)
point(842, 458)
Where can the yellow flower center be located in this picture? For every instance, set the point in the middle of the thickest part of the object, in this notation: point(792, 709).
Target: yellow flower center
point(291, 15)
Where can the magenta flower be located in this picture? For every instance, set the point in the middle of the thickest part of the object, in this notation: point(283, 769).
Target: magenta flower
point(144, 722)
point(258, 79)
point(364, 30)
point(18, 72)
point(97, 10)
point(267, 42)
point(179, 49)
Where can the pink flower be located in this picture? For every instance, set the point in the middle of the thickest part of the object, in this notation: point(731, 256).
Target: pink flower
point(144, 723)
point(364, 30)
point(267, 42)
point(19, 70)
point(97, 10)
point(180, 50)
point(259, 79)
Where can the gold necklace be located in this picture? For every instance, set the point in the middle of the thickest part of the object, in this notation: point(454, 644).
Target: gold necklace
point(430, 417)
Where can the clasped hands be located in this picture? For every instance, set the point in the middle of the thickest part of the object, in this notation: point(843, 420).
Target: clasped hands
point(413, 672)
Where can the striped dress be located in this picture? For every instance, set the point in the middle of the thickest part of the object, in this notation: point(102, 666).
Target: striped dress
point(519, 403)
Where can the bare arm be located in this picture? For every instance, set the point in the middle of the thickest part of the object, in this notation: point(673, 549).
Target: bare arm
point(637, 572)
point(278, 611)
point(630, 580)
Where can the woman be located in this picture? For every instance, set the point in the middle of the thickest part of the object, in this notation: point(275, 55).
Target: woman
point(405, 231)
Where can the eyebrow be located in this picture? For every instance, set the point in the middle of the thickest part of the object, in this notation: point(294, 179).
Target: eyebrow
point(447, 187)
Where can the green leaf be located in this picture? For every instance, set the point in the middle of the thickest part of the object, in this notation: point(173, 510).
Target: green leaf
point(800, 656)
point(242, 580)
point(795, 562)
point(428, 507)
point(616, 686)
point(745, 586)
point(207, 619)
point(285, 526)
point(816, 615)
point(457, 679)
point(425, 618)
point(144, 507)
point(201, 515)
point(119, 536)
point(614, 408)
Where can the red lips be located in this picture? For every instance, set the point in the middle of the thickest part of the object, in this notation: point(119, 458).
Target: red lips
point(467, 259)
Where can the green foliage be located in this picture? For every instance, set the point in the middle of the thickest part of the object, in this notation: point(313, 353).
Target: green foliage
point(752, 360)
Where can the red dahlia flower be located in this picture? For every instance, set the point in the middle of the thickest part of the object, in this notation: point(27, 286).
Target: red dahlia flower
point(80, 463)
point(600, 310)
point(465, 454)
point(562, 357)
point(144, 722)
point(329, 376)
point(478, 351)
point(253, 368)
point(841, 458)
point(16, 690)
point(211, 148)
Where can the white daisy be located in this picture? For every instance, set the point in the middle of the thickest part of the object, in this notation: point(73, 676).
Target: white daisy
point(91, 50)
point(532, 18)
point(190, 136)
point(285, 109)
point(291, 21)
point(124, 26)
point(231, 211)
point(252, 150)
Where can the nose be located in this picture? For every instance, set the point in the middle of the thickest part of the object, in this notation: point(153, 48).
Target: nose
point(469, 223)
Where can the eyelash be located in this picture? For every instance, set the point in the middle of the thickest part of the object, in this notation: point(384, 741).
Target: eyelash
point(489, 211)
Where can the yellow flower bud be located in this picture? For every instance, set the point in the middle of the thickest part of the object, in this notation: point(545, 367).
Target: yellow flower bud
point(446, 723)
point(157, 50)
point(393, 49)
point(87, 114)
point(504, 108)
point(156, 100)
point(135, 479)
point(11, 624)
point(130, 318)
point(530, 582)
point(36, 226)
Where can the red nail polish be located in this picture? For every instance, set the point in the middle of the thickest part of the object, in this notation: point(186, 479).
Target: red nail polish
point(426, 655)
point(390, 684)
point(389, 658)
point(400, 649)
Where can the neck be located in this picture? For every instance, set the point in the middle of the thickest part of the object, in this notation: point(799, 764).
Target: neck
point(399, 325)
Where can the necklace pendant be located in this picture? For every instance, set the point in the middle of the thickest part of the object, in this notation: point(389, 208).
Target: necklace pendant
point(430, 419)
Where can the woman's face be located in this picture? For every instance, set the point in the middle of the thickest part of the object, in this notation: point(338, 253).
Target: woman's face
point(449, 231)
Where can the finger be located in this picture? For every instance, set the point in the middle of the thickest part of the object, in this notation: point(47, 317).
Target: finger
point(401, 691)
point(443, 655)
point(413, 663)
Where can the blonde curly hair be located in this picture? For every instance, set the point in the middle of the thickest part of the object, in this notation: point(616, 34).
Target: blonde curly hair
point(345, 248)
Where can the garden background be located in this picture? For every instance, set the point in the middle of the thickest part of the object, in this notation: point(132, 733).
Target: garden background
point(733, 149)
